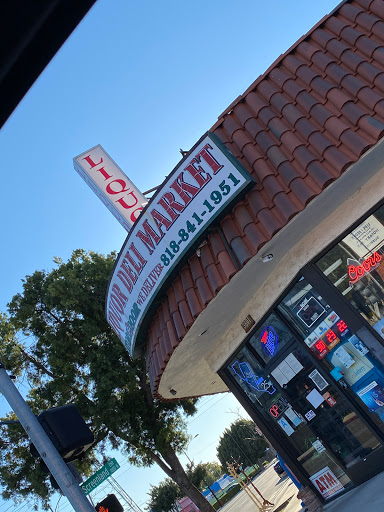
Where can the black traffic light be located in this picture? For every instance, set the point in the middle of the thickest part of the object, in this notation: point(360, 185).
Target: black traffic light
point(109, 504)
point(67, 430)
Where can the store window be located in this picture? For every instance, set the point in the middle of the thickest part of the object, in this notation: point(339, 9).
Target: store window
point(324, 434)
point(356, 267)
point(342, 353)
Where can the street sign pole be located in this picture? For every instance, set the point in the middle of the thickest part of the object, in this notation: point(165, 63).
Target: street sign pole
point(44, 446)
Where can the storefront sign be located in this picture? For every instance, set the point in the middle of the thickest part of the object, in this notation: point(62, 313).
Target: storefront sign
point(326, 482)
point(193, 195)
point(243, 370)
point(117, 192)
point(357, 270)
point(269, 341)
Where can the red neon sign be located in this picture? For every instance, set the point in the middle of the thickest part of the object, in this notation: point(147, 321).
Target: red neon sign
point(320, 345)
point(274, 410)
point(341, 325)
point(356, 272)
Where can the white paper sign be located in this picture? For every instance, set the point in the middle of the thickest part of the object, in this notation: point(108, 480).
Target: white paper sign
point(314, 398)
point(344, 357)
point(366, 238)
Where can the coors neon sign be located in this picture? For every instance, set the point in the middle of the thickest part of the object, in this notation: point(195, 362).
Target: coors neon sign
point(192, 196)
point(358, 269)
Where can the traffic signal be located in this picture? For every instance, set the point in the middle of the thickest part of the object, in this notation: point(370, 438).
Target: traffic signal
point(67, 430)
point(109, 504)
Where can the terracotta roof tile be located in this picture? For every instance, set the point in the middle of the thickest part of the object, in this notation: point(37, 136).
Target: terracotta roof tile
point(306, 101)
point(368, 22)
point(292, 114)
point(288, 173)
point(303, 158)
point(253, 127)
point(305, 128)
point(352, 60)
point(351, 12)
point(377, 7)
point(289, 205)
point(323, 38)
point(279, 101)
point(275, 156)
point(270, 221)
point(335, 25)
point(369, 47)
point(267, 89)
point(296, 129)
point(337, 48)
point(319, 143)
point(303, 191)
point(242, 252)
point(337, 158)
point(352, 112)
point(355, 143)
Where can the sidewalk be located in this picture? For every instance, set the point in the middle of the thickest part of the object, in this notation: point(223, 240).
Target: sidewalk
point(368, 497)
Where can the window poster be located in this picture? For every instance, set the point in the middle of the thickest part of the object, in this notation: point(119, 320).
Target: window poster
point(285, 426)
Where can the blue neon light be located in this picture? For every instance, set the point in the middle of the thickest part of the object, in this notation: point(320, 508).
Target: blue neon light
point(269, 341)
point(246, 374)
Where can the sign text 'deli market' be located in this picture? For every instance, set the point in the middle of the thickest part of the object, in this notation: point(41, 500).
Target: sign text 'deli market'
point(191, 197)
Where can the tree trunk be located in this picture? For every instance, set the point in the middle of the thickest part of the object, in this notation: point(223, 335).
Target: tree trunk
point(181, 478)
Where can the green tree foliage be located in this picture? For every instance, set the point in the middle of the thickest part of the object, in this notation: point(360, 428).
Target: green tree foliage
point(73, 356)
point(164, 496)
point(204, 474)
point(240, 443)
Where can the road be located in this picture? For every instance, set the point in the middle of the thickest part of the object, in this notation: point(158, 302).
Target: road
point(277, 491)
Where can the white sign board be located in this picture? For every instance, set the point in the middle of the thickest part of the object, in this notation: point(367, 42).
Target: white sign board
point(366, 238)
point(326, 482)
point(111, 185)
point(193, 195)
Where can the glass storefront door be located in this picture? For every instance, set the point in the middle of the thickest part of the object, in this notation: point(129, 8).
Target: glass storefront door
point(297, 369)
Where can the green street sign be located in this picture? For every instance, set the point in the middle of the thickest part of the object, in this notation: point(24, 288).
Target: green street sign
point(98, 478)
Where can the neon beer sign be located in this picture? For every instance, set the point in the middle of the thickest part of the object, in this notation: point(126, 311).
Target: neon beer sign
point(269, 341)
point(356, 272)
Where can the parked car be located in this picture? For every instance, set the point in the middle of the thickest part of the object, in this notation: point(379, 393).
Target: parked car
point(279, 470)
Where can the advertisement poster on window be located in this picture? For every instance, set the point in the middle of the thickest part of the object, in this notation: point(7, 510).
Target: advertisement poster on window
point(326, 482)
point(373, 396)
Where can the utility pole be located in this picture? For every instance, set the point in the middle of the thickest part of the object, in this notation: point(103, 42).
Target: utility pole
point(44, 446)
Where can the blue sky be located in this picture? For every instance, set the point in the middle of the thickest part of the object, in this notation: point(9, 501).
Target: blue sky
point(143, 79)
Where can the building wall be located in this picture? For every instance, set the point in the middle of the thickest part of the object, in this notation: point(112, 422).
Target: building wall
point(297, 130)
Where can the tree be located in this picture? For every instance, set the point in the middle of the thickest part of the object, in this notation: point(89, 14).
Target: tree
point(241, 443)
point(204, 474)
point(73, 356)
point(164, 496)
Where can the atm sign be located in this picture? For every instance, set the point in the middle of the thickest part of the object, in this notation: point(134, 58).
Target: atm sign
point(326, 483)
